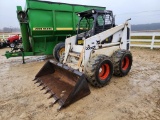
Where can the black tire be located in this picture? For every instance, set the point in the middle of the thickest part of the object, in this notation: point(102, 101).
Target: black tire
point(1, 45)
point(58, 50)
point(96, 77)
point(4, 44)
point(122, 62)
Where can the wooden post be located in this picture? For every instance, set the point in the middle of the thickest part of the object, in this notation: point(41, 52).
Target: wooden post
point(152, 43)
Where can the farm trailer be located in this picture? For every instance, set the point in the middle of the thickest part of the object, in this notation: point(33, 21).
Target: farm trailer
point(44, 24)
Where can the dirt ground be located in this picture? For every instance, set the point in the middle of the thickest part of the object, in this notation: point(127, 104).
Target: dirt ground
point(133, 97)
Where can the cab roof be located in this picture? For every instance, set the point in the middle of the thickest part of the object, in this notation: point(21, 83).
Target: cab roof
point(89, 13)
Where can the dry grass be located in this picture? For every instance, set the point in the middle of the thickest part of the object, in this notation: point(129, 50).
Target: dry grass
point(144, 37)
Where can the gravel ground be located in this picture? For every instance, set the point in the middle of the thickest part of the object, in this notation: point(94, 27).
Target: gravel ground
point(133, 97)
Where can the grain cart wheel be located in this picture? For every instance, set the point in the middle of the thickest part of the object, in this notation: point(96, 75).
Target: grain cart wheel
point(99, 70)
point(122, 62)
point(58, 50)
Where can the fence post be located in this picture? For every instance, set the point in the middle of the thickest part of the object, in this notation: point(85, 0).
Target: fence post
point(152, 43)
point(3, 36)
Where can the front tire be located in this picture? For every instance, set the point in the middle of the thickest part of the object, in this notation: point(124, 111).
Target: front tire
point(58, 50)
point(99, 70)
point(122, 61)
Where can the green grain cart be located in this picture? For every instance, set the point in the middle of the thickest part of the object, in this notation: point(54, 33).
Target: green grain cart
point(45, 25)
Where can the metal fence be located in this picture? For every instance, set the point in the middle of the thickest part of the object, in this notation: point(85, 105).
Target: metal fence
point(151, 43)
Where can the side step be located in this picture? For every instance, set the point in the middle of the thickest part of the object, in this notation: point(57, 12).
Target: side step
point(75, 54)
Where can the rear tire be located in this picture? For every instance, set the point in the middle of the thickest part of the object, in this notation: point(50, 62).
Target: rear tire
point(58, 50)
point(122, 62)
point(99, 70)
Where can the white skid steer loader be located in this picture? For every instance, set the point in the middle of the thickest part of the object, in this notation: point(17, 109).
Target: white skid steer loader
point(99, 50)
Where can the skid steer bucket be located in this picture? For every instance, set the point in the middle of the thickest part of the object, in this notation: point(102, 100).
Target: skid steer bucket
point(65, 84)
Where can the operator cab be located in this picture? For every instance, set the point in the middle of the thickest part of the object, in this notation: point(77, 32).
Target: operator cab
point(93, 22)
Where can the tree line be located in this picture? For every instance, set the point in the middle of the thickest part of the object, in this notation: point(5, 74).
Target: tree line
point(152, 26)
point(10, 29)
point(139, 27)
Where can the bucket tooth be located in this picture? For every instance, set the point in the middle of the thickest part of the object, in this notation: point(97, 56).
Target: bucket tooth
point(55, 97)
point(40, 84)
point(37, 81)
point(47, 91)
point(43, 88)
point(51, 104)
point(51, 96)
point(55, 101)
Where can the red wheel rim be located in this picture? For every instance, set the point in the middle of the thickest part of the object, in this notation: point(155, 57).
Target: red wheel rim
point(104, 71)
point(125, 63)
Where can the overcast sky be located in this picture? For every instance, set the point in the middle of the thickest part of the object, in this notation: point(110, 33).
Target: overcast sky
point(141, 11)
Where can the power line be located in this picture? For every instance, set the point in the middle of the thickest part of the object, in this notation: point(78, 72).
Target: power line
point(140, 15)
point(139, 12)
point(147, 15)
